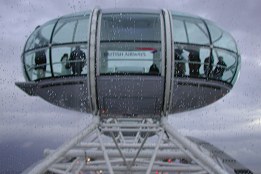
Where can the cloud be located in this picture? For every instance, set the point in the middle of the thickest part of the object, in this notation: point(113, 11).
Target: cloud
point(232, 130)
point(27, 144)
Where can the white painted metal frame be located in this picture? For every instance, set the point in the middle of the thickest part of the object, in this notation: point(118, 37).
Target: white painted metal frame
point(169, 61)
point(92, 56)
point(129, 145)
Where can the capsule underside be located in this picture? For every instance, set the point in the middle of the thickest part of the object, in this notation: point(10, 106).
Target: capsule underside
point(130, 62)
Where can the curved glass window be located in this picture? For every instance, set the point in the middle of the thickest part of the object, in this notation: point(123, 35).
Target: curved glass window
point(71, 30)
point(224, 65)
point(202, 56)
point(65, 60)
point(41, 36)
point(37, 64)
point(130, 43)
point(236, 75)
point(192, 60)
point(190, 30)
point(197, 32)
point(69, 49)
point(180, 34)
point(67, 52)
point(221, 38)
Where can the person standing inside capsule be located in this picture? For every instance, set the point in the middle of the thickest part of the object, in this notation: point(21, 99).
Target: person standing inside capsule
point(66, 68)
point(40, 63)
point(220, 68)
point(179, 63)
point(77, 60)
point(194, 63)
point(208, 66)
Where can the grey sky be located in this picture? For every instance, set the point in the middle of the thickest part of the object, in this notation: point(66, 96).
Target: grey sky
point(233, 123)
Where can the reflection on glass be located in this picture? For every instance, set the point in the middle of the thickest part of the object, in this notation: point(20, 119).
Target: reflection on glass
point(130, 43)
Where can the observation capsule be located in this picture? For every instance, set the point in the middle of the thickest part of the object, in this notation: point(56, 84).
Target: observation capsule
point(130, 62)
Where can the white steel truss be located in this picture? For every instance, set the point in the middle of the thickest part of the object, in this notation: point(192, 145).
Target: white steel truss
point(129, 145)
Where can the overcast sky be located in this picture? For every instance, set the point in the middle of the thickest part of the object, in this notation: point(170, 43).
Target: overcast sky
point(28, 124)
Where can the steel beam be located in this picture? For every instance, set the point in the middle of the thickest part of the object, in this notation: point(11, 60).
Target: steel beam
point(51, 159)
point(206, 162)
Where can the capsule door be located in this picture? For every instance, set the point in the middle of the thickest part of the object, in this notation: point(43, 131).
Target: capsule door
point(130, 64)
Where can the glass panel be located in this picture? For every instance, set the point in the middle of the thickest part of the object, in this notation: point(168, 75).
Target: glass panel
point(82, 30)
point(179, 32)
point(181, 61)
point(69, 61)
point(237, 71)
point(37, 64)
point(224, 67)
point(189, 30)
point(41, 36)
point(72, 30)
point(130, 43)
point(192, 60)
point(221, 38)
point(215, 32)
point(64, 31)
point(197, 32)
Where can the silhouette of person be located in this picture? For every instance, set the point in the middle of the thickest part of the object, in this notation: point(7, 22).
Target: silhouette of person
point(208, 65)
point(220, 68)
point(66, 68)
point(77, 60)
point(154, 69)
point(40, 63)
point(194, 63)
point(179, 66)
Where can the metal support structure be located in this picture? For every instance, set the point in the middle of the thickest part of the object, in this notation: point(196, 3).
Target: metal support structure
point(52, 158)
point(169, 62)
point(129, 145)
point(154, 154)
point(106, 157)
point(192, 150)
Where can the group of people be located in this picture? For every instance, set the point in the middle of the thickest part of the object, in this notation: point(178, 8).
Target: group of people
point(194, 64)
point(74, 63)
